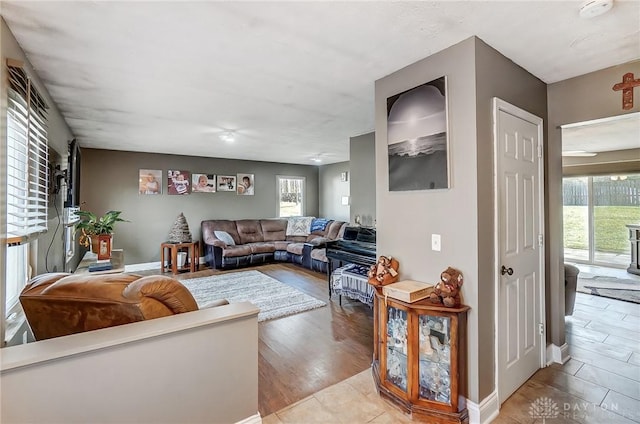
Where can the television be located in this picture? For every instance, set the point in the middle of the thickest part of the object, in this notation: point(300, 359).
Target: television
point(73, 175)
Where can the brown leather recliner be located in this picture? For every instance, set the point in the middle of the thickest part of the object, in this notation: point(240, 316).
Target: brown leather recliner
point(59, 304)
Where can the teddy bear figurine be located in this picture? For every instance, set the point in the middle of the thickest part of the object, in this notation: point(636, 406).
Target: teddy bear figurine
point(384, 272)
point(447, 290)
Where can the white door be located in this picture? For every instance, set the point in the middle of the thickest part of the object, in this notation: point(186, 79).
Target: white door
point(520, 256)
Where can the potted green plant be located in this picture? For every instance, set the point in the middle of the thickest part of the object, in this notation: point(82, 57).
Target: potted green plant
point(97, 231)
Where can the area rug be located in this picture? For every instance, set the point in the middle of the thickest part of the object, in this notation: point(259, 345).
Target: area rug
point(611, 287)
point(274, 298)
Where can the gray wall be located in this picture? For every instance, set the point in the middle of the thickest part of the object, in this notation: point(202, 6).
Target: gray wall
point(59, 134)
point(110, 181)
point(331, 189)
point(407, 219)
point(496, 76)
point(463, 214)
point(362, 159)
point(574, 100)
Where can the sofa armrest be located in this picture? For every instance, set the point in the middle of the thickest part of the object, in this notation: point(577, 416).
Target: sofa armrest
point(318, 242)
point(165, 290)
point(217, 243)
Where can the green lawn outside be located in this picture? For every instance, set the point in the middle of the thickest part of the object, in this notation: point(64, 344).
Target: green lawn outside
point(611, 234)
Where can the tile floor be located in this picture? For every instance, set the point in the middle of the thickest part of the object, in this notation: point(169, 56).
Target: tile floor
point(599, 385)
point(351, 401)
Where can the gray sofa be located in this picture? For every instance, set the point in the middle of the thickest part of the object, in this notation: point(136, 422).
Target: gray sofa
point(236, 243)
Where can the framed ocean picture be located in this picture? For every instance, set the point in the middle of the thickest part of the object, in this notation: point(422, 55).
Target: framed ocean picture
point(417, 138)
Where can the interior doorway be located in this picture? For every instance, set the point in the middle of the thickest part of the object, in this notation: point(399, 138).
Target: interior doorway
point(601, 189)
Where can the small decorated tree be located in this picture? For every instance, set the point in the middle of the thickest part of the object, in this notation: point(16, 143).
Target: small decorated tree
point(179, 232)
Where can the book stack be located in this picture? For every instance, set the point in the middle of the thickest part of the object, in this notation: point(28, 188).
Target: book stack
point(103, 265)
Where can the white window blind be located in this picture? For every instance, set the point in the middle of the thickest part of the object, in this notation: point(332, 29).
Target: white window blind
point(27, 158)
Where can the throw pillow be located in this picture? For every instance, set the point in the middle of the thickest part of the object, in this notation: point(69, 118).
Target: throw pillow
point(299, 225)
point(225, 237)
point(319, 224)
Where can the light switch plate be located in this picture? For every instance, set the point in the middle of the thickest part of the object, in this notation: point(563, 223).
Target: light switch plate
point(436, 242)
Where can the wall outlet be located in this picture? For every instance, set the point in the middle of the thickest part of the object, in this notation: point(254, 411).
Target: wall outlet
point(436, 242)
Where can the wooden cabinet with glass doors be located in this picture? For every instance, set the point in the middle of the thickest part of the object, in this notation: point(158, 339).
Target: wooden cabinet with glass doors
point(420, 358)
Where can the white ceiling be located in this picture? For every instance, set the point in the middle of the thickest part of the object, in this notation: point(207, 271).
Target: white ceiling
point(294, 80)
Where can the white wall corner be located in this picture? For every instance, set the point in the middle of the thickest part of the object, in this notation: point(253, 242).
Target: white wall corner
point(485, 411)
point(254, 419)
point(557, 354)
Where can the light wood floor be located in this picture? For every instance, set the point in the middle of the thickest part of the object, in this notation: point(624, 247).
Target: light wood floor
point(304, 353)
point(302, 357)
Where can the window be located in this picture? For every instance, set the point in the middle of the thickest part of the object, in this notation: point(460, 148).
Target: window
point(17, 262)
point(27, 178)
point(70, 242)
point(27, 159)
point(290, 196)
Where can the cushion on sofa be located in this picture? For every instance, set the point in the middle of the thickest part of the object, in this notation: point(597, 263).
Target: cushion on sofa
point(249, 230)
point(319, 255)
point(281, 245)
point(318, 225)
point(225, 237)
point(332, 231)
point(233, 251)
point(262, 247)
point(295, 248)
point(299, 225)
point(274, 229)
point(208, 228)
point(317, 240)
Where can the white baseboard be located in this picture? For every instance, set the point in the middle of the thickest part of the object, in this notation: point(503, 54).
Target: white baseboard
point(485, 411)
point(146, 266)
point(142, 267)
point(254, 419)
point(557, 354)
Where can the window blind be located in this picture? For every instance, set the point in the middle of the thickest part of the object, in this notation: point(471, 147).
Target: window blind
point(27, 158)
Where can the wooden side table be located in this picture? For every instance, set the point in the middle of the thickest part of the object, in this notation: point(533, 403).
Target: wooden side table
point(192, 262)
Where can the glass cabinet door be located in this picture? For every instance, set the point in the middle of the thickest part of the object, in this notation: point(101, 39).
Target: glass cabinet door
point(396, 365)
point(435, 358)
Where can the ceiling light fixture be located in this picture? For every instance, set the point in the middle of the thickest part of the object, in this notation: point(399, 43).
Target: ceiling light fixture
point(316, 160)
point(592, 8)
point(228, 136)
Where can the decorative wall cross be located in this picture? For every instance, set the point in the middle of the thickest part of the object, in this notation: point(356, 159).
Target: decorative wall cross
point(626, 86)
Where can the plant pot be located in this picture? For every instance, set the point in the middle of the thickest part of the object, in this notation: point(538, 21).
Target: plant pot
point(101, 245)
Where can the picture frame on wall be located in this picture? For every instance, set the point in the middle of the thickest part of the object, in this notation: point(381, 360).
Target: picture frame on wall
point(178, 182)
point(417, 138)
point(245, 185)
point(226, 183)
point(203, 183)
point(150, 181)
